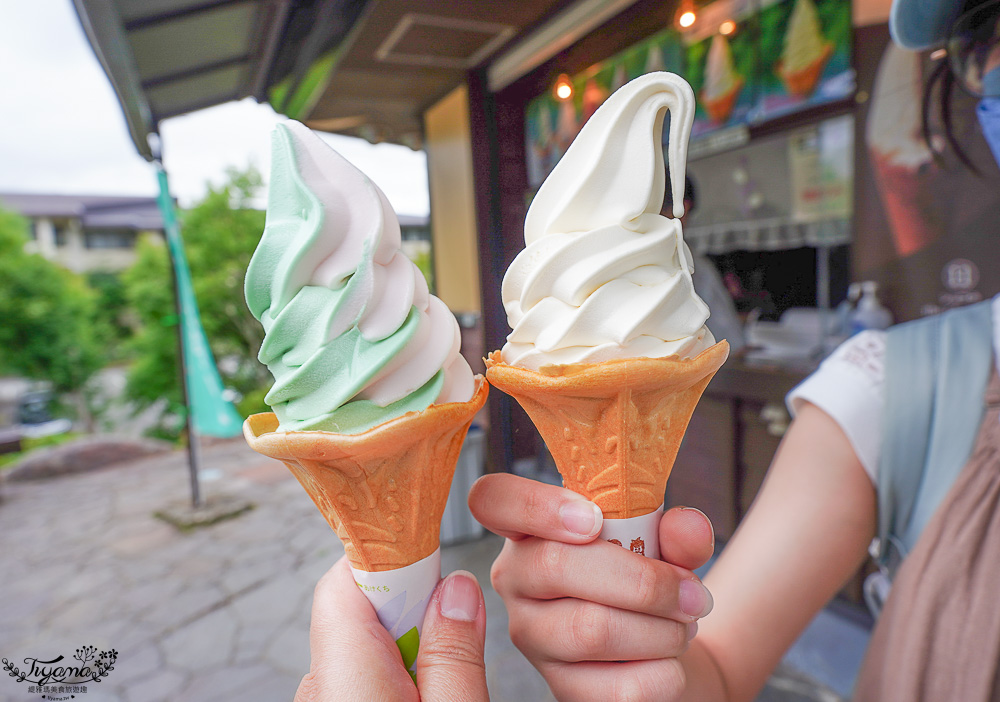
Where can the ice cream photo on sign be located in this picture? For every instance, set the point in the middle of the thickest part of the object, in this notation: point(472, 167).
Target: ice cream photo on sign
point(371, 398)
point(722, 83)
point(609, 353)
point(805, 51)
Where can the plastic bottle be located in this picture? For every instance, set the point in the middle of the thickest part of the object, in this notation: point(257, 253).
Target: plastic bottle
point(842, 324)
point(870, 314)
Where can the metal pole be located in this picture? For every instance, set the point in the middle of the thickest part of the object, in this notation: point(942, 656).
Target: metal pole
point(172, 231)
point(823, 293)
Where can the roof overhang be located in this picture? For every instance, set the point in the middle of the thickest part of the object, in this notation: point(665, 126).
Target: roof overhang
point(404, 55)
point(170, 57)
point(368, 68)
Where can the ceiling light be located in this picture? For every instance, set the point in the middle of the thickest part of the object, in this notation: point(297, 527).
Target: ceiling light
point(727, 27)
point(564, 88)
point(686, 14)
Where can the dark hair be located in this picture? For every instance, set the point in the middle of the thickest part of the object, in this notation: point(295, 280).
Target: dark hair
point(942, 78)
point(942, 74)
point(689, 195)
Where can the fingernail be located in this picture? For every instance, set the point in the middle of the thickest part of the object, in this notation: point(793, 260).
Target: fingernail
point(460, 597)
point(582, 517)
point(692, 630)
point(695, 599)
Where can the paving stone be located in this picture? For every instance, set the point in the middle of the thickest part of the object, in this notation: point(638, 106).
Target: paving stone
point(95, 693)
point(137, 663)
point(187, 605)
point(143, 540)
point(274, 687)
point(289, 651)
point(225, 683)
point(24, 608)
point(509, 676)
point(86, 582)
point(159, 687)
point(239, 579)
point(271, 605)
point(202, 645)
point(252, 643)
point(149, 593)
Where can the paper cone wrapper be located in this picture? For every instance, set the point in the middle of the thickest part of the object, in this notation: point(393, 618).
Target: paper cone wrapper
point(383, 491)
point(638, 534)
point(613, 428)
point(801, 83)
point(400, 598)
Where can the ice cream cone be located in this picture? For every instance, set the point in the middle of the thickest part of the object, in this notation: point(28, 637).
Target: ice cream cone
point(383, 491)
point(912, 214)
point(801, 83)
point(614, 427)
point(719, 108)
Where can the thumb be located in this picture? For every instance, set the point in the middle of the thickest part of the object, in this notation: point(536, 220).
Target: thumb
point(450, 665)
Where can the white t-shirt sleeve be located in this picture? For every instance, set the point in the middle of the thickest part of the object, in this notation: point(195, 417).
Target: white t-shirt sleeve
point(850, 387)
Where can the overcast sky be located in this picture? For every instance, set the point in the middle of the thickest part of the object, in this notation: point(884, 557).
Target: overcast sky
point(62, 131)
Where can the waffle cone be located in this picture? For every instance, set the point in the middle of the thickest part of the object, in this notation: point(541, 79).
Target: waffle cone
point(801, 83)
point(383, 491)
point(614, 427)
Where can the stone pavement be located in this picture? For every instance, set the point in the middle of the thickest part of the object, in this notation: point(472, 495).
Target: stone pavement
point(217, 613)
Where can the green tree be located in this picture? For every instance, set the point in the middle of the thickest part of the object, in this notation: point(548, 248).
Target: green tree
point(220, 234)
point(50, 328)
point(112, 308)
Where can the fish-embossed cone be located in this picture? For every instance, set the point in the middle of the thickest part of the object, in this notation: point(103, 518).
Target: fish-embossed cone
point(614, 427)
point(383, 491)
point(609, 349)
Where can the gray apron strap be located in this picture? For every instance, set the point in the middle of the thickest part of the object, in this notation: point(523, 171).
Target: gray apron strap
point(937, 370)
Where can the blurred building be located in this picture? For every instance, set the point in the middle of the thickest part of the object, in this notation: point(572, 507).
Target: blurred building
point(86, 233)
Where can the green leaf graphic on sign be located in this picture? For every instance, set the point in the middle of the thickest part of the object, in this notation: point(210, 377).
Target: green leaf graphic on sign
point(408, 645)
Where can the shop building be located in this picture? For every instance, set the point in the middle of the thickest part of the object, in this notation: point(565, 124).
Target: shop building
point(810, 167)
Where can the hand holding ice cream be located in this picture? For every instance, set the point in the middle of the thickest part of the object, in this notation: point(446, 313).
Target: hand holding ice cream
point(449, 665)
point(609, 352)
point(371, 398)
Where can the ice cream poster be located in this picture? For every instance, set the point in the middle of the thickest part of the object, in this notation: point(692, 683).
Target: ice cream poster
point(721, 68)
point(926, 228)
point(805, 56)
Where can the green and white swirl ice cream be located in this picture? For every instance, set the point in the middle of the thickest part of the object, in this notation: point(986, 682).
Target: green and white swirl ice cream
point(352, 335)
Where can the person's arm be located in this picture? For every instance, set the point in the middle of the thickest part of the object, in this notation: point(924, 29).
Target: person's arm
point(806, 534)
point(576, 607)
point(354, 658)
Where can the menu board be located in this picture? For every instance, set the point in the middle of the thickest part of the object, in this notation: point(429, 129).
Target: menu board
point(748, 61)
point(805, 49)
